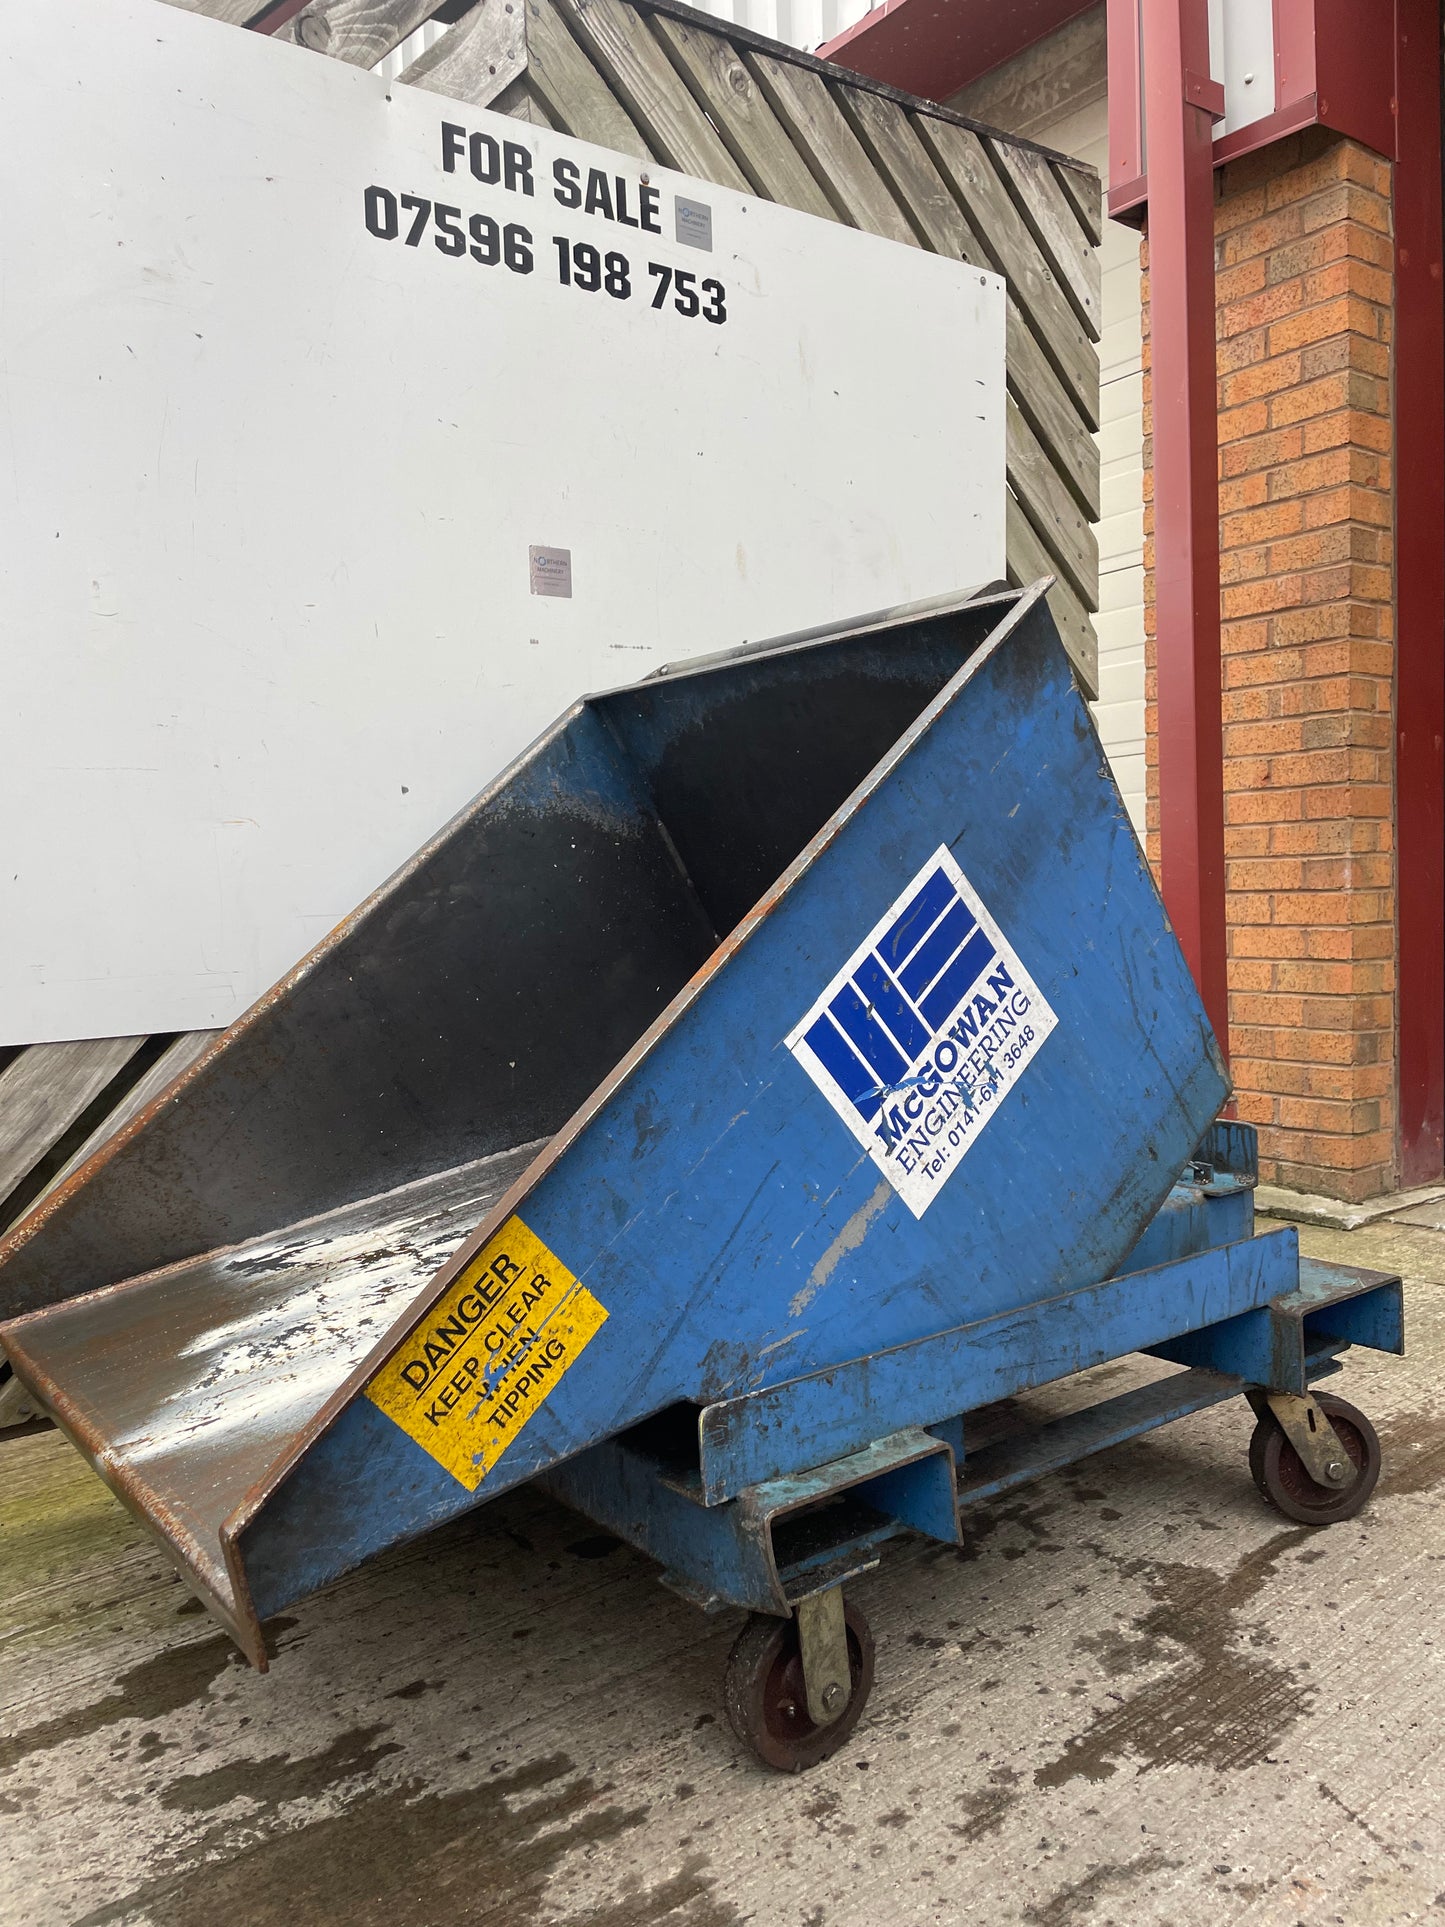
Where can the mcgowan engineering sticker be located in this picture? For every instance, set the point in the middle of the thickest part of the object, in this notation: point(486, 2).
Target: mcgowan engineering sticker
point(924, 1031)
point(488, 1354)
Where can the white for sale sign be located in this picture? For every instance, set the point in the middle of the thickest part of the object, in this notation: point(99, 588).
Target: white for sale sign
point(348, 434)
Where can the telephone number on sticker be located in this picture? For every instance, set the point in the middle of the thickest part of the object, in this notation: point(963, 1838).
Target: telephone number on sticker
point(410, 218)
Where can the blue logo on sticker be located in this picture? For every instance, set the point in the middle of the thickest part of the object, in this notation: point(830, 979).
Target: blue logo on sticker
point(901, 994)
point(923, 1031)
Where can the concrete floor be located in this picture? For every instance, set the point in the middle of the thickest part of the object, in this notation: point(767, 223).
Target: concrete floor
point(1137, 1697)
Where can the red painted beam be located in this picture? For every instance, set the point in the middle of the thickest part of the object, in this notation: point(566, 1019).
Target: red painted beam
point(1420, 592)
point(272, 18)
point(1333, 66)
point(1177, 112)
point(934, 47)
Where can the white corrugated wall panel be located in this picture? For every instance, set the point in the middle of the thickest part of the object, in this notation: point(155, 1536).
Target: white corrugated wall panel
point(1119, 625)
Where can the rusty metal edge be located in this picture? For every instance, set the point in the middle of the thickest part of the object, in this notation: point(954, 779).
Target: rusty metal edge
point(1024, 602)
point(176, 1540)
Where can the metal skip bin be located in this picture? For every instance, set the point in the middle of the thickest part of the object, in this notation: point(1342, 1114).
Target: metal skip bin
point(784, 1059)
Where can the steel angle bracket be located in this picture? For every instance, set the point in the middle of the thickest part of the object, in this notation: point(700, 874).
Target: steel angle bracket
point(779, 1542)
point(760, 1435)
point(1280, 1345)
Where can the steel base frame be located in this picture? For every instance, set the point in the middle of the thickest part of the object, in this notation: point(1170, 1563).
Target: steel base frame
point(725, 1500)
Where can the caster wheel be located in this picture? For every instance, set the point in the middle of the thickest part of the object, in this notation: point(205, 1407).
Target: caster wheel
point(1279, 1472)
point(766, 1704)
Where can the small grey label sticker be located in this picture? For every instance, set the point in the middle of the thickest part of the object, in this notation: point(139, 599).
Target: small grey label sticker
point(551, 571)
point(693, 220)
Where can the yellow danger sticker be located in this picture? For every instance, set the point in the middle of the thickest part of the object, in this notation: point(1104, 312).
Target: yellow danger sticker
point(490, 1352)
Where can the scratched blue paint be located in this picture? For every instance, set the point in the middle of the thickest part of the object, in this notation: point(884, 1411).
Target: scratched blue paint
point(727, 1554)
point(718, 1237)
point(1191, 1220)
point(748, 1255)
point(751, 1437)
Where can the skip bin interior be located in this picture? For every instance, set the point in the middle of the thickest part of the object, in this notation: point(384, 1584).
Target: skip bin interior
point(256, 1232)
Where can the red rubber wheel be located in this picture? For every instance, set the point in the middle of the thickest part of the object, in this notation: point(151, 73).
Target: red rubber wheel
point(1279, 1471)
point(766, 1703)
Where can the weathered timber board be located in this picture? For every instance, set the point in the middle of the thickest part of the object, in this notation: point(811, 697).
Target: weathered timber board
point(479, 57)
point(44, 1090)
point(623, 48)
point(965, 165)
point(360, 32)
point(1028, 561)
point(575, 95)
point(734, 102)
point(178, 1057)
point(818, 126)
point(1055, 226)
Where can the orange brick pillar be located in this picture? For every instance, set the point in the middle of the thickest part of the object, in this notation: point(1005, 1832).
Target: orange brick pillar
point(1304, 267)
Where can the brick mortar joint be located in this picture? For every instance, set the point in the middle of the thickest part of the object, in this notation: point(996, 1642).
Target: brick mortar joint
point(1331, 623)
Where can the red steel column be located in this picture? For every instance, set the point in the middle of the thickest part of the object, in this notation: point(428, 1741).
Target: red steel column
point(1420, 591)
point(1180, 102)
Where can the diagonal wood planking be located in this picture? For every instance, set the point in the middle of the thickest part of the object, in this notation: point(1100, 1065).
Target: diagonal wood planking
point(726, 91)
point(819, 129)
point(42, 1093)
point(571, 89)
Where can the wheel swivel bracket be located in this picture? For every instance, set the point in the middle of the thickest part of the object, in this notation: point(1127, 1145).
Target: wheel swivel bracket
point(823, 1644)
point(1307, 1426)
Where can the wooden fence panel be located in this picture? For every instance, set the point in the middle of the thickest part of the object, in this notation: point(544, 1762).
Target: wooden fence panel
point(1055, 226)
point(572, 90)
point(42, 1093)
point(965, 165)
point(360, 32)
point(1086, 193)
point(901, 157)
point(1058, 519)
point(480, 56)
point(1028, 560)
point(178, 1057)
point(735, 104)
point(652, 90)
point(819, 127)
point(521, 101)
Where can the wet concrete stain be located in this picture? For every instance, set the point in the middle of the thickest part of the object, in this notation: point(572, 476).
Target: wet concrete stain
point(984, 1811)
point(1220, 1707)
point(275, 1779)
point(1079, 1899)
point(822, 1807)
point(1412, 1453)
point(149, 1691)
point(1122, 1653)
point(686, 1899)
point(401, 1856)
